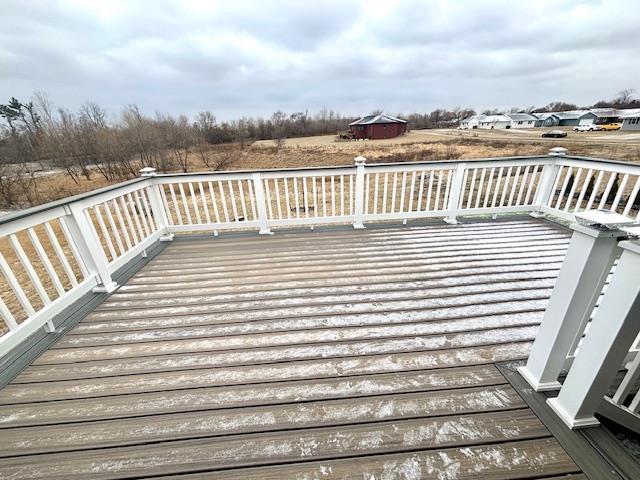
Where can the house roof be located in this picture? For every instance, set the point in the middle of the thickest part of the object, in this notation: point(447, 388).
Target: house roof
point(522, 116)
point(495, 118)
point(371, 119)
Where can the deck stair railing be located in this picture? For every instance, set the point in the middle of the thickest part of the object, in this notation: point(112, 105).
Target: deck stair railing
point(591, 327)
point(52, 255)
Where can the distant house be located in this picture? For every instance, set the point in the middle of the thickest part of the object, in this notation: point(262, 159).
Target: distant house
point(606, 115)
point(522, 120)
point(495, 121)
point(547, 119)
point(375, 127)
point(471, 122)
point(631, 120)
point(575, 117)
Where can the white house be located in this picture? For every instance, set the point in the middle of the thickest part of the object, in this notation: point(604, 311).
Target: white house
point(471, 122)
point(522, 120)
point(631, 119)
point(490, 122)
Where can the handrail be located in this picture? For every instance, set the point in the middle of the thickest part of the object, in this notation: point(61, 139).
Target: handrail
point(54, 253)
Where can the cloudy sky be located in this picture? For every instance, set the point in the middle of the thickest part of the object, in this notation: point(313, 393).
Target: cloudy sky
point(238, 57)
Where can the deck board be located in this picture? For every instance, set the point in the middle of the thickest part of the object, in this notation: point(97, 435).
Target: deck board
point(343, 353)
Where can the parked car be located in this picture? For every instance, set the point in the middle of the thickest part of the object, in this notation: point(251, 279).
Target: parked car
point(554, 134)
point(587, 128)
point(609, 127)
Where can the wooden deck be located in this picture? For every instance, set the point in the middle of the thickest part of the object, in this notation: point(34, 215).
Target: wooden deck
point(327, 354)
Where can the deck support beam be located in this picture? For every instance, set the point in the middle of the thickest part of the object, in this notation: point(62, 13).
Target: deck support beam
point(589, 259)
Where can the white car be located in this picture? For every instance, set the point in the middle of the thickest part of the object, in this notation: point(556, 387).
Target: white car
point(586, 128)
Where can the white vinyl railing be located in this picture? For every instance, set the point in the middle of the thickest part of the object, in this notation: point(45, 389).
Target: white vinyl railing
point(52, 255)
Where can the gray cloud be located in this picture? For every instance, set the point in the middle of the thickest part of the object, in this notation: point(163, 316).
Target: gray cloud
point(253, 57)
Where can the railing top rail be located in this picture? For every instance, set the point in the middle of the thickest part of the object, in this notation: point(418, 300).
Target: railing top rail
point(600, 160)
point(11, 217)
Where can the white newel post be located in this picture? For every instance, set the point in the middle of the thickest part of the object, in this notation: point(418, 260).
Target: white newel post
point(547, 181)
point(455, 193)
point(261, 204)
point(612, 332)
point(88, 244)
point(358, 218)
point(157, 207)
point(588, 261)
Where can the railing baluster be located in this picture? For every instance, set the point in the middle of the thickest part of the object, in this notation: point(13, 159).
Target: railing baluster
point(232, 196)
point(15, 286)
point(342, 195)
point(497, 187)
point(130, 227)
point(512, 193)
point(623, 185)
point(384, 193)
point(163, 205)
point(607, 190)
point(403, 191)
point(420, 192)
point(430, 190)
point(305, 200)
point(7, 316)
point(223, 202)
point(243, 203)
point(185, 203)
point(119, 217)
point(468, 191)
point(105, 232)
point(487, 194)
point(394, 192)
point(74, 247)
point(252, 200)
point(411, 191)
point(143, 213)
point(194, 202)
point(632, 197)
point(62, 258)
point(44, 258)
point(136, 217)
point(114, 229)
point(375, 193)
point(214, 202)
point(286, 197)
point(324, 197)
point(176, 206)
point(276, 184)
point(576, 180)
point(583, 190)
point(267, 192)
point(594, 192)
point(505, 188)
point(296, 198)
point(333, 197)
point(203, 199)
point(480, 187)
point(315, 196)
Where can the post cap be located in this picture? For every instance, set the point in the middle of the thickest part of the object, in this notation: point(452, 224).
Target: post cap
point(360, 160)
point(603, 219)
point(558, 152)
point(147, 172)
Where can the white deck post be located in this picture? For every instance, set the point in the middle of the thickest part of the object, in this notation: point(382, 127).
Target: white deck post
point(88, 244)
point(583, 273)
point(359, 193)
point(546, 183)
point(613, 331)
point(261, 204)
point(455, 193)
point(157, 207)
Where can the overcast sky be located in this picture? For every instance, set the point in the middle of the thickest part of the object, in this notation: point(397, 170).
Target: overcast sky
point(243, 58)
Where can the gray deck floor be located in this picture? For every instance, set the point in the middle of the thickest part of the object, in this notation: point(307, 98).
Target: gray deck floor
point(326, 354)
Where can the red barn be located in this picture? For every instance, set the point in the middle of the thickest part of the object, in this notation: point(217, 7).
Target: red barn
point(374, 127)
